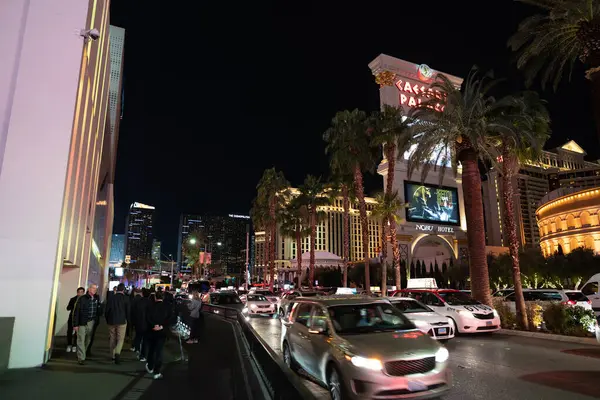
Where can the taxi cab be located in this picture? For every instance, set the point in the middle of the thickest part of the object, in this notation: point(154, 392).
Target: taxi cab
point(467, 314)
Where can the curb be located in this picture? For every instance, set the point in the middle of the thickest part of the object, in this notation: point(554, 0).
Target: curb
point(550, 336)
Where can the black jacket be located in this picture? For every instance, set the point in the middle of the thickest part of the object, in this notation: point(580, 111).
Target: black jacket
point(81, 309)
point(139, 310)
point(117, 309)
point(159, 313)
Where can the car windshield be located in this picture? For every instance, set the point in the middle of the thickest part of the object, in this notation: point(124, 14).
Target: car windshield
point(265, 293)
point(411, 306)
point(458, 299)
point(576, 296)
point(368, 318)
point(256, 297)
point(229, 299)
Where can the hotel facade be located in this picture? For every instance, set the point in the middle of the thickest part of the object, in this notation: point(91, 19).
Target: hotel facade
point(329, 239)
point(52, 135)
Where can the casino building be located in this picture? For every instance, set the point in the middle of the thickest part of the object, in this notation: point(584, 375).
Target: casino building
point(433, 226)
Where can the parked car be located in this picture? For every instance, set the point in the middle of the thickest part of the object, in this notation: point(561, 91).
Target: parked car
point(425, 319)
point(592, 291)
point(467, 314)
point(225, 299)
point(257, 304)
point(567, 297)
point(363, 348)
point(272, 297)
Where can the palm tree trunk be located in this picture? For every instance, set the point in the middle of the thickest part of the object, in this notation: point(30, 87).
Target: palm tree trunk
point(513, 241)
point(313, 233)
point(299, 254)
point(346, 226)
point(478, 268)
point(395, 252)
point(266, 254)
point(364, 223)
point(384, 256)
point(390, 155)
point(273, 248)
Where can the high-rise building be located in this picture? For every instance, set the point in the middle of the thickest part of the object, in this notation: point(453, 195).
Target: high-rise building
point(115, 89)
point(225, 237)
point(117, 250)
point(52, 135)
point(138, 244)
point(329, 238)
point(156, 251)
point(564, 166)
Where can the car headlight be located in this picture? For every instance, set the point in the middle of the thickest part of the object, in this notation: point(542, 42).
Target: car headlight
point(442, 355)
point(253, 306)
point(190, 297)
point(420, 323)
point(450, 322)
point(245, 310)
point(465, 313)
point(496, 314)
point(368, 363)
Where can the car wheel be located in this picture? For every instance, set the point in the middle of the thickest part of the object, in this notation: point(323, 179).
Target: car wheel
point(335, 385)
point(287, 357)
point(454, 326)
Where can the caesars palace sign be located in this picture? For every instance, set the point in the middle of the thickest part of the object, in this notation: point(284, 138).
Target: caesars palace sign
point(412, 93)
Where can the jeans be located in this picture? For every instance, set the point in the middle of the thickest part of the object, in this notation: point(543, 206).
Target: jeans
point(70, 334)
point(140, 342)
point(84, 335)
point(156, 343)
point(116, 334)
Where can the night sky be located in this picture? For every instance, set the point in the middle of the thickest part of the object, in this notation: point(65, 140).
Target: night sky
point(215, 94)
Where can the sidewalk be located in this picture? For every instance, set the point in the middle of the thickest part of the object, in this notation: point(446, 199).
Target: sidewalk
point(99, 379)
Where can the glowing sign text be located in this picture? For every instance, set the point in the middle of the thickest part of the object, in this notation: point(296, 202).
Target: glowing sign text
point(412, 94)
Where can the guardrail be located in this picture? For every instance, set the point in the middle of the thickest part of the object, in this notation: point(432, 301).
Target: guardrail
point(281, 382)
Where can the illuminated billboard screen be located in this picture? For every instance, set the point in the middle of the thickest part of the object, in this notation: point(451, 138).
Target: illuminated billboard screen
point(431, 203)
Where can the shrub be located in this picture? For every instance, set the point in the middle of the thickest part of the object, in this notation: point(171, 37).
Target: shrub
point(567, 320)
point(507, 317)
point(534, 315)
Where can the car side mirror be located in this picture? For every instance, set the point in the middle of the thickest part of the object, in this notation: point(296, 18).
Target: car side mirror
point(317, 330)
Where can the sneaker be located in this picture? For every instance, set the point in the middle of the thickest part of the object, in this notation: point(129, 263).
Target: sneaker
point(117, 359)
point(143, 359)
point(157, 376)
point(69, 349)
point(148, 369)
point(80, 362)
point(133, 349)
point(74, 350)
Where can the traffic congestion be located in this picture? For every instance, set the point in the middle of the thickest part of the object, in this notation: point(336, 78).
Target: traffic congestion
point(414, 343)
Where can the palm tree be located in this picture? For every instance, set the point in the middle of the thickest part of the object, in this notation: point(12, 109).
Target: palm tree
point(387, 209)
point(530, 122)
point(391, 126)
point(348, 142)
point(344, 186)
point(461, 133)
point(293, 225)
point(273, 191)
point(567, 32)
point(312, 197)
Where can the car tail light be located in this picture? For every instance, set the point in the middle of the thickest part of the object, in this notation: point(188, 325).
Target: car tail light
point(569, 302)
point(589, 301)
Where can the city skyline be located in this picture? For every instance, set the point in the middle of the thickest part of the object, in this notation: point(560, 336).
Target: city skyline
point(324, 69)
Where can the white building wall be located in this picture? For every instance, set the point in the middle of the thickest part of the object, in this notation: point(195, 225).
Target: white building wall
point(41, 50)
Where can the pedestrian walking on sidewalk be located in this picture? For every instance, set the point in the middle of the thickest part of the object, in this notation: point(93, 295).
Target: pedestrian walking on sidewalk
point(84, 318)
point(159, 317)
point(195, 317)
point(71, 345)
point(117, 315)
point(139, 309)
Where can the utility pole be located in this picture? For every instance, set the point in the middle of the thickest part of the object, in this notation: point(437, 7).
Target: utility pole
point(247, 255)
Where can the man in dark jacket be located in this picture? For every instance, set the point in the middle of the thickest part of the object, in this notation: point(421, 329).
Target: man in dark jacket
point(84, 318)
point(139, 310)
point(117, 315)
point(71, 308)
point(158, 317)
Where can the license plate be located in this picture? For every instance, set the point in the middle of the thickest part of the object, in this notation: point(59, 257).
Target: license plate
point(416, 386)
point(489, 322)
point(442, 331)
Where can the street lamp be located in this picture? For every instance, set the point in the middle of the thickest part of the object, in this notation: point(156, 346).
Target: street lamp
point(193, 241)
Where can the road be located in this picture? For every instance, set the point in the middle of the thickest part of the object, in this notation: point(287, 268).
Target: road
point(501, 367)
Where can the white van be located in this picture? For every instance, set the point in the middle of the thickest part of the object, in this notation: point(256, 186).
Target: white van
point(592, 290)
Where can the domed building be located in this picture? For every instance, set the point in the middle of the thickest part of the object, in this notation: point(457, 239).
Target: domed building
point(568, 219)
